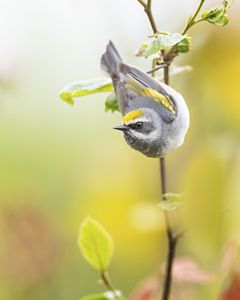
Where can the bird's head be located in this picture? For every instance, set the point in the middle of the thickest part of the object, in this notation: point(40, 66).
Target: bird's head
point(142, 128)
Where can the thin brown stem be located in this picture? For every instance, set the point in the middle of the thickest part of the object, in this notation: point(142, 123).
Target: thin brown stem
point(148, 10)
point(153, 70)
point(172, 239)
point(166, 74)
point(172, 243)
point(142, 3)
point(163, 177)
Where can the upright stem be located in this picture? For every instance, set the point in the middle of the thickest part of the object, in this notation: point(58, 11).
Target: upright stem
point(172, 238)
point(148, 10)
point(106, 281)
point(191, 21)
point(172, 243)
point(166, 74)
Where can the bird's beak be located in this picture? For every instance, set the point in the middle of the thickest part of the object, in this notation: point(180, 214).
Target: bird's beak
point(121, 127)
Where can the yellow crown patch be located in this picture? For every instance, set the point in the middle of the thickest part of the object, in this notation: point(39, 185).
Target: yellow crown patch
point(132, 115)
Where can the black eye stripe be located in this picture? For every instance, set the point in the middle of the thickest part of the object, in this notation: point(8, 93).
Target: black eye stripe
point(136, 126)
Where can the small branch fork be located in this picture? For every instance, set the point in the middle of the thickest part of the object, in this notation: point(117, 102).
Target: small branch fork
point(191, 21)
point(148, 10)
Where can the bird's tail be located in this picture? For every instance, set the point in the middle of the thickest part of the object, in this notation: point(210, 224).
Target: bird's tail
point(111, 59)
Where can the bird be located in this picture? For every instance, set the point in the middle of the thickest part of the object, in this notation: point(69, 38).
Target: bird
point(155, 117)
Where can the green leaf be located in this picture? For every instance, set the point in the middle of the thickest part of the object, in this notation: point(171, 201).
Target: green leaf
point(163, 42)
point(172, 201)
point(96, 244)
point(111, 103)
point(84, 88)
point(184, 46)
point(109, 295)
point(217, 16)
point(212, 15)
point(222, 21)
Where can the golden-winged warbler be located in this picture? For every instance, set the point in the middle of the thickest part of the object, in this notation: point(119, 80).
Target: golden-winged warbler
point(155, 116)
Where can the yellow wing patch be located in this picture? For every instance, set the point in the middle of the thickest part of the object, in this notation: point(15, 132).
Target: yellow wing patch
point(153, 94)
point(132, 115)
point(140, 89)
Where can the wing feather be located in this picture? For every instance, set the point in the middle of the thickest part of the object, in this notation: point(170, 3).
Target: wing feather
point(144, 88)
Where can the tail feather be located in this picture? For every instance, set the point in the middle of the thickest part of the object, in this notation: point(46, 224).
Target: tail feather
point(111, 62)
point(111, 59)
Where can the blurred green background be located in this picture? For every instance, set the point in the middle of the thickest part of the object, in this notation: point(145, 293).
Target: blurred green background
point(59, 164)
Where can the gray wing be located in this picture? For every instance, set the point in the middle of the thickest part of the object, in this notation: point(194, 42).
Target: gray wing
point(135, 89)
point(138, 89)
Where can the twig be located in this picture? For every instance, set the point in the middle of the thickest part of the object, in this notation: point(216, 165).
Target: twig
point(117, 295)
point(172, 244)
point(142, 3)
point(107, 282)
point(172, 239)
point(148, 10)
point(191, 21)
point(166, 77)
point(160, 66)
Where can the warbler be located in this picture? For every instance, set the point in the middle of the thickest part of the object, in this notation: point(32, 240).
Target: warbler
point(155, 116)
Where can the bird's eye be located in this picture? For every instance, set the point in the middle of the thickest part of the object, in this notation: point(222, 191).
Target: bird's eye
point(139, 125)
point(136, 126)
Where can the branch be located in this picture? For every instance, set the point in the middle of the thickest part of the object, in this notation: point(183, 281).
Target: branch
point(166, 79)
point(148, 10)
point(167, 60)
point(172, 243)
point(172, 239)
point(191, 21)
point(142, 3)
point(160, 66)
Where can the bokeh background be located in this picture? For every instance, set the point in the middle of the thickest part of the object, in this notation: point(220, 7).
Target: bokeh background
point(59, 164)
